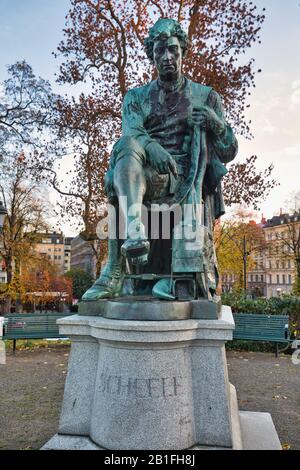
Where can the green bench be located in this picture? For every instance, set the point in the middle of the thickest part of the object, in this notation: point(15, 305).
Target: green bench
point(32, 326)
point(253, 327)
point(262, 327)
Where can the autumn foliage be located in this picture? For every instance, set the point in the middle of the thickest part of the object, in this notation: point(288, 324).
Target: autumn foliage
point(229, 242)
point(104, 43)
point(44, 286)
point(102, 52)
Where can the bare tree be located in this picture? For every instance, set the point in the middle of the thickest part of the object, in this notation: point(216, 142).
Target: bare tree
point(25, 109)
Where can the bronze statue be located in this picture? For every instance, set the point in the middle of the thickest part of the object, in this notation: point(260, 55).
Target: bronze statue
point(174, 143)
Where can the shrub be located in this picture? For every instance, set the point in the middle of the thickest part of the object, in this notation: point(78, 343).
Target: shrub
point(239, 345)
point(283, 305)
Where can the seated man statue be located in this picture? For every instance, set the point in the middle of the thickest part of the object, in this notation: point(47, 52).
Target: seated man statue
point(174, 143)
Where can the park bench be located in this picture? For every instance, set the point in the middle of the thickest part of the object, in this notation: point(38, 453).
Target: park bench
point(32, 326)
point(262, 327)
point(253, 327)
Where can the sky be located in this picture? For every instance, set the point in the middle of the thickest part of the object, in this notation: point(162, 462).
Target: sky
point(32, 29)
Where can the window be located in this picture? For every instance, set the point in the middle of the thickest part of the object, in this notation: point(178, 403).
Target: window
point(282, 264)
point(283, 279)
point(290, 279)
point(256, 277)
point(277, 264)
point(270, 279)
point(262, 278)
point(277, 277)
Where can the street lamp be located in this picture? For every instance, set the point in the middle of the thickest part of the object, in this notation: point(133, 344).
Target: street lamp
point(3, 214)
point(245, 256)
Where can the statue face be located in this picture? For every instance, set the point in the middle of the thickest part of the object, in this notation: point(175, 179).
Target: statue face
point(167, 55)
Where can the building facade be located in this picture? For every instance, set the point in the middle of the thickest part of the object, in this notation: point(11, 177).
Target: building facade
point(3, 274)
point(67, 253)
point(273, 269)
point(56, 248)
point(83, 256)
point(52, 248)
point(280, 257)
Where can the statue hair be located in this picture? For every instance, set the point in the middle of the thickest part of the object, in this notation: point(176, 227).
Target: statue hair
point(163, 29)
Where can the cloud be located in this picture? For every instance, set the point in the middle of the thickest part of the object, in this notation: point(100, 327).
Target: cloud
point(295, 96)
point(292, 151)
point(267, 127)
point(267, 101)
point(296, 84)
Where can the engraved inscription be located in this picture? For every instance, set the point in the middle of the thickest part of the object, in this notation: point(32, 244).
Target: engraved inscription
point(153, 387)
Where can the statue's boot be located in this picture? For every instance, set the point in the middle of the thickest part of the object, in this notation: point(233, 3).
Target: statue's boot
point(163, 290)
point(110, 282)
point(137, 248)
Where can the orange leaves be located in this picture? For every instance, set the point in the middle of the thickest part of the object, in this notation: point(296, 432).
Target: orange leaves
point(103, 45)
point(105, 39)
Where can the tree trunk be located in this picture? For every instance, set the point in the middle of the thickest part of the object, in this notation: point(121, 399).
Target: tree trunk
point(9, 272)
point(7, 305)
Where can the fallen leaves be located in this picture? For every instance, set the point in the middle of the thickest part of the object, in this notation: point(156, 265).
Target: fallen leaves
point(278, 397)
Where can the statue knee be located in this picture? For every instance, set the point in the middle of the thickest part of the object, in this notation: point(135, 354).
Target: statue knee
point(126, 141)
point(130, 149)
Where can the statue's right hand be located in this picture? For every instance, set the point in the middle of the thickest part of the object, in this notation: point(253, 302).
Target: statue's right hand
point(160, 159)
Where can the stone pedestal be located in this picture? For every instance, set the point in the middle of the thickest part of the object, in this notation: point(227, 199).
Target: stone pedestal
point(151, 385)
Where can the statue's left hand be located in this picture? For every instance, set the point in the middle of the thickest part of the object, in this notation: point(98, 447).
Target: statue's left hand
point(207, 119)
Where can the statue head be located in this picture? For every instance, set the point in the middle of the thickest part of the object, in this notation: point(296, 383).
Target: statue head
point(165, 46)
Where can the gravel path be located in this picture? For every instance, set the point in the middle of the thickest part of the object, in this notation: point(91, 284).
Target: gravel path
point(267, 383)
point(32, 382)
point(31, 390)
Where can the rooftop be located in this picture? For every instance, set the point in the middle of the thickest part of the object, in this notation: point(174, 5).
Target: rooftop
point(282, 219)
